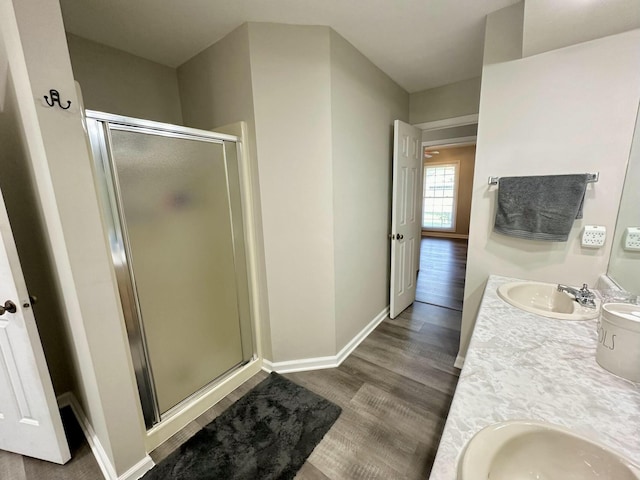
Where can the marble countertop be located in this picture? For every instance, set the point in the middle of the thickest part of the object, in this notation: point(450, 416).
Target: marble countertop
point(523, 366)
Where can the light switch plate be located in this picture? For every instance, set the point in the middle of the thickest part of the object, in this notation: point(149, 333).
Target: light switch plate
point(632, 239)
point(594, 236)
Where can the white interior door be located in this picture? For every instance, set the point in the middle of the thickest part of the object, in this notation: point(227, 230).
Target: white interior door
point(405, 215)
point(30, 421)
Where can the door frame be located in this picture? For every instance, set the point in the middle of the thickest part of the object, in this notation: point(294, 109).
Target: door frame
point(448, 123)
point(452, 142)
point(448, 142)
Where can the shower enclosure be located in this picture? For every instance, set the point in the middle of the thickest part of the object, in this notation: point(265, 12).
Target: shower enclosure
point(172, 204)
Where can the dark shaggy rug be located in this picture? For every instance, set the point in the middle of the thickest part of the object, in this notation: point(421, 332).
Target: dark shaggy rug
point(267, 434)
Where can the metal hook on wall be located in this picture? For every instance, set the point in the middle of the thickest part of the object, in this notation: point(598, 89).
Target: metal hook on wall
point(55, 98)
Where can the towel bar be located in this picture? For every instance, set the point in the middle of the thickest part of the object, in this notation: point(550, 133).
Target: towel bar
point(593, 177)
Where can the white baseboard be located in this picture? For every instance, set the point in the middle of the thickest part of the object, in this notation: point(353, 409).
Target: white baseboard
point(68, 399)
point(317, 363)
point(139, 469)
point(302, 365)
point(459, 361)
point(364, 333)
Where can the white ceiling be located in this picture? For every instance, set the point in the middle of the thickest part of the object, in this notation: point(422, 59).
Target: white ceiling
point(419, 43)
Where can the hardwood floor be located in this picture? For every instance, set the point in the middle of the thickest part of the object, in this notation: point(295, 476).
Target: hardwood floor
point(395, 390)
point(442, 270)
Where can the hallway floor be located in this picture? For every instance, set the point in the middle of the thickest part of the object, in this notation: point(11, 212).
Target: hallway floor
point(443, 263)
point(395, 390)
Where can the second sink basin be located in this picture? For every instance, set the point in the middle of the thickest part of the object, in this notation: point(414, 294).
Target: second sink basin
point(528, 450)
point(545, 299)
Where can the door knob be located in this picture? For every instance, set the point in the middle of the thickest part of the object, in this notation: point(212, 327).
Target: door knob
point(9, 306)
point(399, 237)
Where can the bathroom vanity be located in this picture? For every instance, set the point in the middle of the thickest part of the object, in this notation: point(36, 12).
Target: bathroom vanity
point(522, 366)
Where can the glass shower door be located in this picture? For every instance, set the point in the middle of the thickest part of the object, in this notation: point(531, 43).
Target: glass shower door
point(179, 256)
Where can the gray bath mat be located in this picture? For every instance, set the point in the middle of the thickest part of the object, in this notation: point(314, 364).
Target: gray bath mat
point(266, 435)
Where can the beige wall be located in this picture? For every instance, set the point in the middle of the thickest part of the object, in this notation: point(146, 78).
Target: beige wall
point(364, 104)
point(449, 101)
point(292, 100)
point(624, 266)
point(558, 112)
point(323, 147)
point(18, 190)
point(466, 158)
point(503, 35)
point(215, 85)
point(550, 24)
point(216, 90)
point(106, 388)
point(114, 81)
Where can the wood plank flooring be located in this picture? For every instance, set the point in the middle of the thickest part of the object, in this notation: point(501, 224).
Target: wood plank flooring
point(443, 264)
point(395, 390)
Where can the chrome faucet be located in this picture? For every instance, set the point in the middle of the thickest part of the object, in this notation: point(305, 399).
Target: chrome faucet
point(584, 296)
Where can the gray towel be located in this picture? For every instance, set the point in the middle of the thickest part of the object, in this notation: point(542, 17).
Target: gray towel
point(540, 208)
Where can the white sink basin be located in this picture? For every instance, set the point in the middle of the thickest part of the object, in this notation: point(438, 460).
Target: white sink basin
point(545, 299)
point(528, 450)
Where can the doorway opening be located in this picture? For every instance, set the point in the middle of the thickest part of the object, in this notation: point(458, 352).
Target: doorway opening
point(446, 208)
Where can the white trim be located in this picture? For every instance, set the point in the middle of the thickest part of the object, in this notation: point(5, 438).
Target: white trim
point(459, 361)
point(139, 469)
point(456, 181)
point(451, 142)
point(448, 122)
point(431, 233)
point(317, 363)
point(253, 241)
point(302, 365)
point(199, 404)
point(68, 399)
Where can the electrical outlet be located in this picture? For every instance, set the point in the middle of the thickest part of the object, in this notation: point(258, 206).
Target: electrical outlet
point(632, 238)
point(594, 236)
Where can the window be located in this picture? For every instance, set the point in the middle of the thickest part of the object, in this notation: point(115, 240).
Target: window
point(440, 192)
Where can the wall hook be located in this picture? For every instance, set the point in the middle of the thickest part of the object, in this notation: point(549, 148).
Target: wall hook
point(55, 98)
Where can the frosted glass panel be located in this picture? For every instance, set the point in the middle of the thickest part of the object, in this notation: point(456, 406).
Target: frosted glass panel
point(175, 204)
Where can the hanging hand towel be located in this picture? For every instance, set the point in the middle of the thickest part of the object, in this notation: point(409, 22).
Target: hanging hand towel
point(541, 207)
